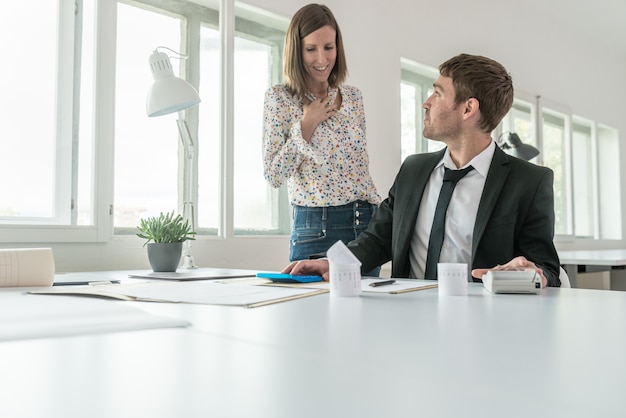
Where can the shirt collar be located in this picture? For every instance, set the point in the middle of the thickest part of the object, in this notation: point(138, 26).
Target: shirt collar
point(481, 162)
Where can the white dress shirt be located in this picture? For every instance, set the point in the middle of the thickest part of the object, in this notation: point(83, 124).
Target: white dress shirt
point(461, 214)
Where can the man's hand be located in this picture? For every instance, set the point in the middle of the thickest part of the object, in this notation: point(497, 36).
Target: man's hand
point(518, 263)
point(308, 267)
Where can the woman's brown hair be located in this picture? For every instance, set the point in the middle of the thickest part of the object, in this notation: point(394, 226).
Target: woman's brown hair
point(304, 22)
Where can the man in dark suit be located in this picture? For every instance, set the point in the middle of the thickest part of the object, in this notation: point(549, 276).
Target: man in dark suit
point(501, 213)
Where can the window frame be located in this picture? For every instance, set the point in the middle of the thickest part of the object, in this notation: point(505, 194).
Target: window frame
point(102, 132)
point(67, 133)
point(230, 22)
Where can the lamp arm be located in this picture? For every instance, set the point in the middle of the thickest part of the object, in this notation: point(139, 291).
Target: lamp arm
point(188, 204)
point(180, 56)
point(185, 136)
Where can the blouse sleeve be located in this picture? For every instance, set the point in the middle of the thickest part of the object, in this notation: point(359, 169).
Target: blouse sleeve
point(361, 111)
point(284, 148)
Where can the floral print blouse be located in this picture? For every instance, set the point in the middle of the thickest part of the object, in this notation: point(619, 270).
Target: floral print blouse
point(333, 168)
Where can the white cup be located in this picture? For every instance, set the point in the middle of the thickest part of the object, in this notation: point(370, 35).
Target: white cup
point(452, 279)
point(345, 279)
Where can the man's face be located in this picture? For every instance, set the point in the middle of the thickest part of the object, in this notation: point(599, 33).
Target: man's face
point(442, 121)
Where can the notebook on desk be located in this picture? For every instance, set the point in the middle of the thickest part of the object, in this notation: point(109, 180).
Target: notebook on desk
point(208, 292)
point(204, 273)
point(398, 286)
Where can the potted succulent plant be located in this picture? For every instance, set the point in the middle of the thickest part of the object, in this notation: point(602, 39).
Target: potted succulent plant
point(164, 235)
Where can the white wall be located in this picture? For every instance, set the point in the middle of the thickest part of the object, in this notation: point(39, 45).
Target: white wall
point(547, 53)
point(545, 57)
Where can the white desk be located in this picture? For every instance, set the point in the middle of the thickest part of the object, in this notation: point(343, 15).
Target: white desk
point(130, 276)
point(593, 260)
point(558, 354)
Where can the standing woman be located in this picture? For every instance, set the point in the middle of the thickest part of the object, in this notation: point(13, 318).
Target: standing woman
point(314, 138)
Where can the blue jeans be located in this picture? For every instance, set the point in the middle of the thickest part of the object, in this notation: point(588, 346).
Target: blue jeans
point(316, 229)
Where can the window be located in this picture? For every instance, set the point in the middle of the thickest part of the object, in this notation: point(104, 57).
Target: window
point(46, 166)
point(94, 163)
point(209, 172)
point(415, 88)
point(609, 198)
point(232, 195)
point(257, 207)
point(586, 193)
point(146, 149)
point(597, 200)
point(36, 170)
point(410, 118)
point(521, 120)
point(555, 129)
point(584, 177)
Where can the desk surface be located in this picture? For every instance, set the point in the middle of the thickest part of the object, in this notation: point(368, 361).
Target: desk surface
point(594, 257)
point(136, 275)
point(561, 353)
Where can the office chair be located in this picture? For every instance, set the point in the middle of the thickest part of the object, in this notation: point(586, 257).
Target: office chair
point(564, 278)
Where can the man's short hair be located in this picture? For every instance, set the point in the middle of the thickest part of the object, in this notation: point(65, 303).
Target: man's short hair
point(485, 80)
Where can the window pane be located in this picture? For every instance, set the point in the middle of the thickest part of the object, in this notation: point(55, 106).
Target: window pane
point(554, 134)
point(257, 207)
point(610, 206)
point(85, 181)
point(52, 161)
point(209, 151)
point(432, 145)
point(28, 149)
point(409, 96)
point(146, 149)
point(584, 192)
point(520, 121)
point(252, 194)
point(415, 87)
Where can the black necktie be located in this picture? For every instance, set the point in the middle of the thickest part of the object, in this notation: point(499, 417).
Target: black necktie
point(450, 179)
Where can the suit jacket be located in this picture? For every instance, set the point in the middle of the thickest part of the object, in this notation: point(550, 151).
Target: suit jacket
point(515, 217)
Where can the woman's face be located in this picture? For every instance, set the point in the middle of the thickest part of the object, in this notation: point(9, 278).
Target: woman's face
point(319, 53)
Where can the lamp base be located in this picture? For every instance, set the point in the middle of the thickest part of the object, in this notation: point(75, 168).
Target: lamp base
point(188, 262)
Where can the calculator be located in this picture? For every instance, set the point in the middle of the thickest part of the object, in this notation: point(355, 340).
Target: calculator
point(289, 278)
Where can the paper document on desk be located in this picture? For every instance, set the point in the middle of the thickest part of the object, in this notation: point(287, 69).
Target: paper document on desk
point(198, 292)
point(204, 273)
point(400, 286)
point(28, 317)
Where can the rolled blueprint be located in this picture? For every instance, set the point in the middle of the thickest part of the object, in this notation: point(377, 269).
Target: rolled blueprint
point(26, 267)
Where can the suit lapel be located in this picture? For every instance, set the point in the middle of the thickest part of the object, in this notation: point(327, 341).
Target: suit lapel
point(496, 177)
point(422, 177)
point(408, 212)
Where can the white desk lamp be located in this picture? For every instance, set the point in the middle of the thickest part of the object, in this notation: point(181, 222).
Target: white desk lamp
point(170, 94)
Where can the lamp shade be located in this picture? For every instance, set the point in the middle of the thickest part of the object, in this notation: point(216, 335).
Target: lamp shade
point(515, 147)
point(168, 93)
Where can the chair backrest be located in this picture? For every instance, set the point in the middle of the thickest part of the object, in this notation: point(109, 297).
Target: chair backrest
point(564, 278)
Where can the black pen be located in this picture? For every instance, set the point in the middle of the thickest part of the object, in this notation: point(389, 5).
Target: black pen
point(383, 283)
point(92, 283)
